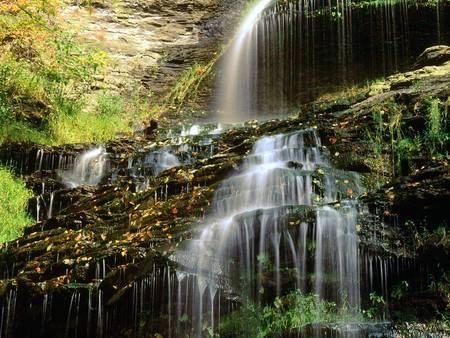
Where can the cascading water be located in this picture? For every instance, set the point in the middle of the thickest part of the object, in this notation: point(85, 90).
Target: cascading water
point(152, 164)
point(88, 169)
point(281, 222)
point(289, 52)
point(239, 68)
point(157, 161)
point(247, 230)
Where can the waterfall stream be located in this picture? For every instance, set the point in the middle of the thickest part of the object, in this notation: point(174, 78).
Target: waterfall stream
point(290, 52)
point(172, 232)
point(235, 89)
point(246, 231)
point(88, 168)
point(284, 220)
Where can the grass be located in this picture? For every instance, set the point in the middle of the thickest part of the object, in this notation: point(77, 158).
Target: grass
point(14, 196)
point(390, 138)
point(437, 133)
point(187, 86)
point(111, 115)
point(46, 80)
point(288, 314)
point(353, 91)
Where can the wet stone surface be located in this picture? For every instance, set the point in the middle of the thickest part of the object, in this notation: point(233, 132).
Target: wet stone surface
point(98, 258)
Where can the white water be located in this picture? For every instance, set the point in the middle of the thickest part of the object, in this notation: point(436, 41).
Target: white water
point(151, 165)
point(161, 160)
point(89, 168)
point(286, 53)
point(247, 232)
point(239, 70)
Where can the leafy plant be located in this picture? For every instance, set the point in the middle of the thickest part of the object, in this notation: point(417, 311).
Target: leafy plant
point(399, 290)
point(390, 137)
point(287, 314)
point(437, 133)
point(377, 309)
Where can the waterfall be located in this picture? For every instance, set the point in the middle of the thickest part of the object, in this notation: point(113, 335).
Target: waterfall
point(89, 168)
point(239, 69)
point(290, 52)
point(248, 241)
point(161, 160)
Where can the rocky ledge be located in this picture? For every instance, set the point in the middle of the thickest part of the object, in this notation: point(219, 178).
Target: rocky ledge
point(106, 247)
point(150, 42)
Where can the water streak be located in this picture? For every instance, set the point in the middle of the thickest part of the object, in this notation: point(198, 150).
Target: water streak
point(89, 168)
point(239, 67)
point(248, 242)
point(287, 53)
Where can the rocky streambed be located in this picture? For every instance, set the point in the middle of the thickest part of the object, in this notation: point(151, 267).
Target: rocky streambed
point(97, 262)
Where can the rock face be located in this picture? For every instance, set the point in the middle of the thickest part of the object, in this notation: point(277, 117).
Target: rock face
point(98, 265)
point(150, 42)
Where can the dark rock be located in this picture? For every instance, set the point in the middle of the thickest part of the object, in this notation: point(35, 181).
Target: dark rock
point(433, 56)
point(110, 241)
point(294, 165)
point(150, 129)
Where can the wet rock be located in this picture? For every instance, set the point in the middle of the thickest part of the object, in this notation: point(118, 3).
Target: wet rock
point(150, 129)
point(422, 195)
point(433, 56)
point(112, 240)
point(294, 165)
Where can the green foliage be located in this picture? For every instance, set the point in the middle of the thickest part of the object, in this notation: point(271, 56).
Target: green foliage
point(399, 290)
point(288, 314)
point(377, 308)
point(46, 78)
point(187, 86)
point(389, 136)
point(437, 237)
point(14, 197)
point(437, 133)
point(245, 322)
